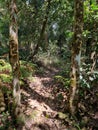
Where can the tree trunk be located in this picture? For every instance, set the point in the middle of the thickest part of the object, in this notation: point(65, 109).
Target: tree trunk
point(91, 48)
point(93, 58)
point(2, 102)
point(14, 54)
point(42, 29)
point(76, 55)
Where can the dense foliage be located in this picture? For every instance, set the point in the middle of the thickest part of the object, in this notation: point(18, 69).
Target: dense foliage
point(46, 35)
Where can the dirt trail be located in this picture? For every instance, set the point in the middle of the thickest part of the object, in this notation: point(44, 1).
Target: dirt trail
point(40, 105)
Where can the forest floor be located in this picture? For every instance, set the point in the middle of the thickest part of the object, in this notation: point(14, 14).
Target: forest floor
point(42, 102)
point(44, 99)
point(46, 103)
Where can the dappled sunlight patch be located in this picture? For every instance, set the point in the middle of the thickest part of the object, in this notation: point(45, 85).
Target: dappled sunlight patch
point(5, 78)
point(49, 58)
point(2, 62)
point(40, 106)
point(39, 85)
point(45, 100)
point(5, 66)
point(24, 93)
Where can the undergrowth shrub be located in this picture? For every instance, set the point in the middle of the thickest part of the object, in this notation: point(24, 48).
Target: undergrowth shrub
point(88, 79)
point(62, 80)
point(5, 121)
point(27, 69)
point(6, 78)
point(4, 65)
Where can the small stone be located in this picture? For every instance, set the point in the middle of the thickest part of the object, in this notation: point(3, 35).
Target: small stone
point(2, 109)
point(62, 115)
point(84, 128)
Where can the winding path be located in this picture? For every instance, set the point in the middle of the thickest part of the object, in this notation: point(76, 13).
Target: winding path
point(40, 105)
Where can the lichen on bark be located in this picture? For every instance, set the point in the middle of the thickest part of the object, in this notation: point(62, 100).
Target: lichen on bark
point(76, 54)
point(14, 54)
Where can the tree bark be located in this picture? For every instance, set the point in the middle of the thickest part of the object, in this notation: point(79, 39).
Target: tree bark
point(76, 55)
point(2, 102)
point(93, 58)
point(42, 30)
point(14, 54)
point(91, 48)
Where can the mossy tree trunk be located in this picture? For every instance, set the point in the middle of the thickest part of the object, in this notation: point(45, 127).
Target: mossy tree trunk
point(14, 54)
point(76, 54)
point(2, 103)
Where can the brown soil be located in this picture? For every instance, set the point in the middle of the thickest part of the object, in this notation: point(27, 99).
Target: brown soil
point(40, 103)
